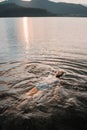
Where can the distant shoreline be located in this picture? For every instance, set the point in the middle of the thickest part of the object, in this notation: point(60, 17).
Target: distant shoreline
point(43, 16)
point(61, 10)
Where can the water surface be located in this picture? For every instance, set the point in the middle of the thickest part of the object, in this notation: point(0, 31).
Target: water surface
point(33, 48)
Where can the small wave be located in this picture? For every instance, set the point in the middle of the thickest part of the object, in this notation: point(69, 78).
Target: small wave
point(64, 103)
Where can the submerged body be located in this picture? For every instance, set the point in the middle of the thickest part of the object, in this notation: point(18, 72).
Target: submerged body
point(49, 82)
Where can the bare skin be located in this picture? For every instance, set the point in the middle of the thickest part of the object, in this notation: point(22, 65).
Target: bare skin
point(33, 91)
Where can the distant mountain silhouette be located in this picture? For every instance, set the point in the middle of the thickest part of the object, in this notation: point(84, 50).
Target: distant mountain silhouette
point(13, 10)
point(58, 8)
point(42, 8)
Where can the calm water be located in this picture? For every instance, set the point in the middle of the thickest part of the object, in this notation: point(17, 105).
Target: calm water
point(37, 39)
point(33, 48)
point(56, 42)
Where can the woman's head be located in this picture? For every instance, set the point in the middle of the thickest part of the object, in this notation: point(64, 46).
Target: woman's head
point(59, 73)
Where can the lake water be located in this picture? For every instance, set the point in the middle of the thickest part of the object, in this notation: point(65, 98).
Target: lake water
point(33, 48)
point(36, 39)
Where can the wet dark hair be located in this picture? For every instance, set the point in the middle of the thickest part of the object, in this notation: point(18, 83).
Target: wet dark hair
point(59, 73)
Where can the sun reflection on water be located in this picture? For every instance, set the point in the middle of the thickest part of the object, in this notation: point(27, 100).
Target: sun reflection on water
point(26, 32)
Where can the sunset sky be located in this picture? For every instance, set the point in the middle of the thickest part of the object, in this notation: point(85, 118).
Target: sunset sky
point(70, 1)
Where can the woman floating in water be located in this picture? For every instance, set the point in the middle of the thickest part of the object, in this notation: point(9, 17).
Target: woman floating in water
point(50, 81)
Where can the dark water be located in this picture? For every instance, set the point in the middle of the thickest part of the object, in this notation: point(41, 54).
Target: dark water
point(30, 50)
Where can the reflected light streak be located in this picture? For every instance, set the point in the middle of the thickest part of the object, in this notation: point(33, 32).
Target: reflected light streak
point(26, 32)
point(26, 38)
